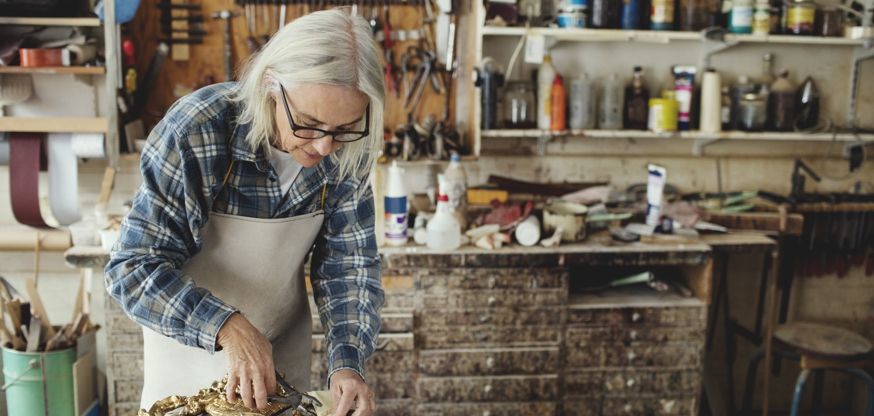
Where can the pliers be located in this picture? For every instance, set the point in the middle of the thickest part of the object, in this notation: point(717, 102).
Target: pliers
point(302, 402)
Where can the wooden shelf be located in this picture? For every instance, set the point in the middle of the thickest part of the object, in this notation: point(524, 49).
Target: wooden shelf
point(51, 70)
point(656, 36)
point(51, 21)
point(54, 125)
point(689, 135)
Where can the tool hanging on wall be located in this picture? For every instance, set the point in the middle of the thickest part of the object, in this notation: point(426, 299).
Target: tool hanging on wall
point(226, 15)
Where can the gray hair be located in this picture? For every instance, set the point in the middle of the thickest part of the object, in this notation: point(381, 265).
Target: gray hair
point(326, 47)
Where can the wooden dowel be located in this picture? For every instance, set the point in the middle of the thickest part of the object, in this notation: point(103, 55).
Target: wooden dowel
point(36, 261)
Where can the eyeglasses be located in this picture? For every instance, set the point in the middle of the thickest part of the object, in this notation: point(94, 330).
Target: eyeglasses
point(337, 136)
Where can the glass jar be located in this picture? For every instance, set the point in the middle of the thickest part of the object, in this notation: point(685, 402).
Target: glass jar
point(519, 106)
point(829, 21)
point(752, 112)
point(800, 17)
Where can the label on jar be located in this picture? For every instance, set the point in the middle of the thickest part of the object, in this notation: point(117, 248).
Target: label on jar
point(741, 16)
point(762, 20)
point(800, 18)
point(662, 11)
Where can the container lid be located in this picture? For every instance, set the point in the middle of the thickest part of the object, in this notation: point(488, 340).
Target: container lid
point(455, 158)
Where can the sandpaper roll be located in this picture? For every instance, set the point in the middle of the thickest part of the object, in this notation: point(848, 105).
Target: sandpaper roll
point(24, 239)
point(27, 157)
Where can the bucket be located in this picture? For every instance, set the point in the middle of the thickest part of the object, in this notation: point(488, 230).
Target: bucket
point(31, 377)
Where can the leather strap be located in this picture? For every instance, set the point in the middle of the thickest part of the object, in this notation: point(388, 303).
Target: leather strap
point(27, 157)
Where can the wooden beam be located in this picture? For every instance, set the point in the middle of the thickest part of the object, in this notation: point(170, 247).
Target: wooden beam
point(54, 125)
point(760, 221)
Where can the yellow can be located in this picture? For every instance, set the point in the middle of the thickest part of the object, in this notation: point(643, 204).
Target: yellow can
point(663, 115)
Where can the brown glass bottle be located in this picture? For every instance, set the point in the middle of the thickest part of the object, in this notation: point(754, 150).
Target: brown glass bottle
point(781, 104)
point(636, 112)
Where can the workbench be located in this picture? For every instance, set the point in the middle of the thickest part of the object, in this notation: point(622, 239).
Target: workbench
point(506, 332)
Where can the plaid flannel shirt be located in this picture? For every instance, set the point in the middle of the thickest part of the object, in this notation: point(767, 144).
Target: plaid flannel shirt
point(183, 165)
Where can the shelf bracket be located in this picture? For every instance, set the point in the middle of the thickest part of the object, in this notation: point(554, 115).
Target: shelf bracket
point(713, 43)
point(542, 141)
point(700, 144)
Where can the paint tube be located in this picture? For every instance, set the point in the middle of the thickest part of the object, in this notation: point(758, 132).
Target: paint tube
point(684, 78)
point(655, 187)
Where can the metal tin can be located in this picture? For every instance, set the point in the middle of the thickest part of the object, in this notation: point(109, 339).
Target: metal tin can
point(572, 5)
point(572, 18)
point(662, 115)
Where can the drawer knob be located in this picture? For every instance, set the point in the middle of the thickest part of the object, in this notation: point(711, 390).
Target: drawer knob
point(492, 301)
point(627, 408)
point(630, 382)
point(483, 318)
point(492, 282)
point(487, 413)
point(487, 389)
point(490, 362)
point(633, 335)
point(631, 356)
point(635, 317)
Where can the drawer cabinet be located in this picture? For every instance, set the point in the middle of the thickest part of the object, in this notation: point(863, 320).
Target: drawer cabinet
point(441, 280)
point(640, 405)
point(503, 361)
point(628, 334)
point(493, 298)
point(488, 389)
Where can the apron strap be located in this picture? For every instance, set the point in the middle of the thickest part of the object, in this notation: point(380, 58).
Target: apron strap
point(228, 173)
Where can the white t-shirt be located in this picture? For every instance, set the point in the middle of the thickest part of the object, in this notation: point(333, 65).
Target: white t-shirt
point(286, 167)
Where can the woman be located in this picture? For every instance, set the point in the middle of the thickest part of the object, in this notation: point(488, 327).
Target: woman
point(239, 181)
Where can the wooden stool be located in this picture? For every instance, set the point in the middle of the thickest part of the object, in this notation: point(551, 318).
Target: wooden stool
point(818, 348)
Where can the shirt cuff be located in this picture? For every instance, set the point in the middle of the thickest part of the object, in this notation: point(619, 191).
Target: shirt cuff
point(346, 357)
point(205, 321)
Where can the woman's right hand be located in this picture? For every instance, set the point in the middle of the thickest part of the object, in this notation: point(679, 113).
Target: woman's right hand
point(250, 362)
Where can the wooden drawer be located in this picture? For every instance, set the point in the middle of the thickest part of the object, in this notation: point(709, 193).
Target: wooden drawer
point(488, 389)
point(390, 323)
point(485, 336)
point(656, 405)
point(498, 361)
point(487, 409)
point(395, 301)
point(385, 342)
point(582, 407)
point(492, 298)
point(437, 320)
point(682, 354)
point(685, 316)
point(403, 407)
point(120, 324)
point(384, 385)
point(128, 390)
point(621, 382)
point(627, 334)
point(442, 280)
point(127, 366)
point(380, 362)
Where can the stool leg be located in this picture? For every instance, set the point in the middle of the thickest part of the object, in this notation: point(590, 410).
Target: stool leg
point(751, 380)
point(868, 380)
point(799, 388)
point(818, 380)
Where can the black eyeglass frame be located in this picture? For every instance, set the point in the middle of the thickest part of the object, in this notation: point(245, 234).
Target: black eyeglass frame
point(295, 128)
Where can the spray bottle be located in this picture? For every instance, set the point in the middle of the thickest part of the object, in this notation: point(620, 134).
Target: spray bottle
point(396, 214)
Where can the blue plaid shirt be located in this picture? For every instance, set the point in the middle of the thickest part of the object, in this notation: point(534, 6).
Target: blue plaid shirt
point(183, 165)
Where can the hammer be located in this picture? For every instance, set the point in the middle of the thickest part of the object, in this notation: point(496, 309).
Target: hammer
point(226, 15)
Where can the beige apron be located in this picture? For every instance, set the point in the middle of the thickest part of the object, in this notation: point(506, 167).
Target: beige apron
point(255, 265)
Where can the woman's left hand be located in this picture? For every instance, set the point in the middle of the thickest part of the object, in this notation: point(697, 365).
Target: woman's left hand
point(348, 387)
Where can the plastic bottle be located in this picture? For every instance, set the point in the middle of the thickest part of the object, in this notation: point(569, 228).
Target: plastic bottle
point(762, 18)
point(455, 180)
point(528, 231)
point(444, 232)
point(545, 78)
point(582, 103)
point(711, 102)
point(396, 215)
point(610, 114)
point(557, 106)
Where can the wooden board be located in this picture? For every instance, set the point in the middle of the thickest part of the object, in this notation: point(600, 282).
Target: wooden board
point(54, 125)
point(83, 383)
point(207, 59)
point(86, 70)
point(37, 307)
point(762, 221)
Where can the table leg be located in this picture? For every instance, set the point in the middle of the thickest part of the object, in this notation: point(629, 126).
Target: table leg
point(769, 323)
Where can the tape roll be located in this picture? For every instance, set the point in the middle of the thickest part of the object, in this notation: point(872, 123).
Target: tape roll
point(88, 145)
point(80, 54)
point(63, 179)
point(27, 157)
